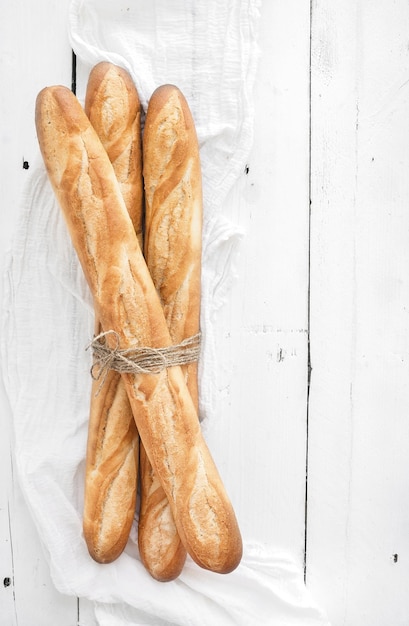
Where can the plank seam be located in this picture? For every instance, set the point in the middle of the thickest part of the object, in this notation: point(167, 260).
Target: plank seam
point(309, 365)
point(74, 73)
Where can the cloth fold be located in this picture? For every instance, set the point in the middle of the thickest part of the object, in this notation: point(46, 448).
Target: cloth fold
point(209, 49)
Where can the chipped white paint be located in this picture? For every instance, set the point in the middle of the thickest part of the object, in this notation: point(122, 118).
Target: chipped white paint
point(348, 293)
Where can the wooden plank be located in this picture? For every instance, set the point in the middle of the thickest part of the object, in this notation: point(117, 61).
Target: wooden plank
point(358, 477)
point(30, 58)
point(262, 330)
point(6, 548)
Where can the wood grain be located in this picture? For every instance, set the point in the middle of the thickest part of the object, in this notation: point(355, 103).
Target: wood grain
point(358, 509)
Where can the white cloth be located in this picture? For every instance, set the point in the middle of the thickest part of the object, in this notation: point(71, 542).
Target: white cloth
point(208, 48)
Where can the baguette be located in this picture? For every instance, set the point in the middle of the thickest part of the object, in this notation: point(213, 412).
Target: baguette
point(172, 246)
point(113, 108)
point(127, 303)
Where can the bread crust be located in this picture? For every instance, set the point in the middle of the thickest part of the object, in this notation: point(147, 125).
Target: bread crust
point(172, 246)
point(126, 302)
point(160, 547)
point(113, 108)
point(111, 472)
point(173, 214)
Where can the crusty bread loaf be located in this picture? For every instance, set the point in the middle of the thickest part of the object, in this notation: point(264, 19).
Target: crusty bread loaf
point(113, 107)
point(126, 302)
point(172, 245)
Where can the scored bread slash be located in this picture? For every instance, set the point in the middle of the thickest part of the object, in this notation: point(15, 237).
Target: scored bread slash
point(126, 302)
point(113, 108)
point(172, 247)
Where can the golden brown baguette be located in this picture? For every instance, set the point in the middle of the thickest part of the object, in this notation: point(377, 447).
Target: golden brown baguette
point(113, 107)
point(126, 302)
point(172, 245)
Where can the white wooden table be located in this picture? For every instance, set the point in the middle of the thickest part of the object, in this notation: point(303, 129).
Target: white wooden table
point(320, 309)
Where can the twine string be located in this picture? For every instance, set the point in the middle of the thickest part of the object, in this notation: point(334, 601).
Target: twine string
point(139, 360)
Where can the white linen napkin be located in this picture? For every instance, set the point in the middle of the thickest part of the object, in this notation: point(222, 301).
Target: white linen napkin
point(209, 50)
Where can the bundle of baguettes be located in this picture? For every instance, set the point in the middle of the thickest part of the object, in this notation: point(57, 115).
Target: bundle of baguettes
point(127, 302)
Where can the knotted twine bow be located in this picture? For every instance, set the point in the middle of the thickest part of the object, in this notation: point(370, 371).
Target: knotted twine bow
point(139, 360)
